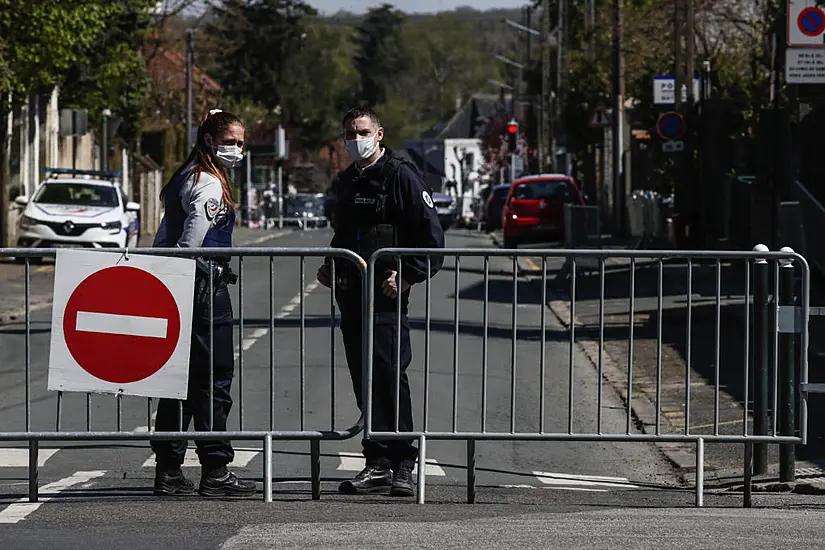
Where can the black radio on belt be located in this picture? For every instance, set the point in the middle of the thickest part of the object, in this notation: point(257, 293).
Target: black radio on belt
point(221, 274)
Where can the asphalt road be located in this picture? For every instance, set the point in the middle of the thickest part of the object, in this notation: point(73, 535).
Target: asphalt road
point(580, 494)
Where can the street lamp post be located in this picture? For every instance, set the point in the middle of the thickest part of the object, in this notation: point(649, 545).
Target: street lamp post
point(105, 158)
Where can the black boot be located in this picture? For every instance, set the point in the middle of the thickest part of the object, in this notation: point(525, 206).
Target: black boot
point(223, 483)
point(368, 480)
point(402, 483)
point(172, 483)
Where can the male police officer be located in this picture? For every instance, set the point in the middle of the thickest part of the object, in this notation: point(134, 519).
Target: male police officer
point(383, 203)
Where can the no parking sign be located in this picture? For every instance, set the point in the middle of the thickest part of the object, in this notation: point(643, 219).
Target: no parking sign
point(121, 326)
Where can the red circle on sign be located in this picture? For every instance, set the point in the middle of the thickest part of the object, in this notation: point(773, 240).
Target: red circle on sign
point(811, 21)
point(121, 324)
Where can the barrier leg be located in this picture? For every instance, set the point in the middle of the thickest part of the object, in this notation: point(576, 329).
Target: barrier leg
point(422, 467)
point(761, 340)
point(471, 471)
point(33, 470)
point(315, 468)
point(268, 468)
point(787, 366)
point(746, 490)
point(700, 472)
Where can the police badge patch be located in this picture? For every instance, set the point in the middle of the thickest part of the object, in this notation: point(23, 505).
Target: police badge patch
point(427, 198)
point(212, 206)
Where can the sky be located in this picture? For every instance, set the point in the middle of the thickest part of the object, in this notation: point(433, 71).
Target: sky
point(328, 7)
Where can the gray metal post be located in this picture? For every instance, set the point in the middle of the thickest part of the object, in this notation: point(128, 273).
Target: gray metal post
point(104, 161)
point(248, 188)
point(512, 168)
point(280, 197)
point(761, 343)
point(787, 374)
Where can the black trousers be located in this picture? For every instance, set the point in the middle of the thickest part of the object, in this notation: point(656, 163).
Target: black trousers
point(213, 454)
point(389, 453)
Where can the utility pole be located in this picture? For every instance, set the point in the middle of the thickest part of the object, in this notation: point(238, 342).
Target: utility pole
point(678, 81)
point(561, 74)
point(189, 60)
point(618, 118)
point(546, 141)
point(689, 47)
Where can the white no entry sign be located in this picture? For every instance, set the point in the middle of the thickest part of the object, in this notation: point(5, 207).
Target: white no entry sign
point(121, 326)
point(806, 23)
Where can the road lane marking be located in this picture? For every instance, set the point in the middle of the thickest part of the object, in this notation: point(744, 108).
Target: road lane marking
point(355, 462)
point(18, 511)
point(128, 325)
point(725, 423)
point(19, 458)
point(190, 459)
point(560, 488)
point(575, 480)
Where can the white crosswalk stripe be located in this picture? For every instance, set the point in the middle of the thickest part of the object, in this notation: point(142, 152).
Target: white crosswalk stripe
point(19, 458)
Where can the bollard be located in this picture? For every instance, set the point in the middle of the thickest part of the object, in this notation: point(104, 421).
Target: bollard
point(787, 368)
point(761, 360)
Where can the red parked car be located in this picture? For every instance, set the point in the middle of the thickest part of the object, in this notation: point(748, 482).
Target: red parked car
point(534, 211)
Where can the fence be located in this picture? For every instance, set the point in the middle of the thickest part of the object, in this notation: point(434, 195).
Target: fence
point(36, 402)
point(755, 264)
point(771, 421)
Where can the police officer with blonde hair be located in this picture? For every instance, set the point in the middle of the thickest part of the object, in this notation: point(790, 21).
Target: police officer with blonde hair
point(199, 212)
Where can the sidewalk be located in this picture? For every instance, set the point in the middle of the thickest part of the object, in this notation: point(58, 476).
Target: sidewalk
point(13, 284)
point(722, 461)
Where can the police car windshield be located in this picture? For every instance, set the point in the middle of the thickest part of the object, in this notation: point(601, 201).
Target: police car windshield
point(77, 194)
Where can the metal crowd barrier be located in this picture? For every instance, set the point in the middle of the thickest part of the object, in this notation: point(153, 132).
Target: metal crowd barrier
point(34, 438)
point(767, 429)
point(645, 218)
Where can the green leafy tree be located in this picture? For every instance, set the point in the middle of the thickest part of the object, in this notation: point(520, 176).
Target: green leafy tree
point(320, 83)
point(380, 56)
point(39, 41)
point(247, 46)
point(447, 61)
point(111, 72)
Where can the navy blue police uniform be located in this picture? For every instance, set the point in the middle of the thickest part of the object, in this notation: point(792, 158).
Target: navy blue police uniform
point(385, 205)
point(195, 216)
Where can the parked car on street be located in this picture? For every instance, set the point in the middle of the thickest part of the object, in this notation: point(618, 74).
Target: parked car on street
point(78, 209)
point(445, 208)
point(494, 207)
point(534, 210)
point(305, 210)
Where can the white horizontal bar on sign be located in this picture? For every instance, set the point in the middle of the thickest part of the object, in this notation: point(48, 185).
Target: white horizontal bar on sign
point(127, 325)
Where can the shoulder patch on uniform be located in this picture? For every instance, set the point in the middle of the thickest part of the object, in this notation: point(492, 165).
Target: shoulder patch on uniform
point(427, 198)
point(212, 206)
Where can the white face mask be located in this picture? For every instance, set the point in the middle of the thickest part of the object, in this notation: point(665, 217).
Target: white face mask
point(229, 155)
point(360, 149)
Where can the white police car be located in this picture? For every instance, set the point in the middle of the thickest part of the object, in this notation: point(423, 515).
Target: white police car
point(81, 209)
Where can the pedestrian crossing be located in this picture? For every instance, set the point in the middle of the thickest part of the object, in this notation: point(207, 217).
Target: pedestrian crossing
point(338, 465)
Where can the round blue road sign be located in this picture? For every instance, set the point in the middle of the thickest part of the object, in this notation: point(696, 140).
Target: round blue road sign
point(811, 21)
point(671, 126)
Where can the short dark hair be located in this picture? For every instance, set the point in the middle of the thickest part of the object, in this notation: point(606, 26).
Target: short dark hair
point(358, 112)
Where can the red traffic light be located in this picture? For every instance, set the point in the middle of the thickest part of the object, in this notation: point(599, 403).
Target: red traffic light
point(512, 128)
